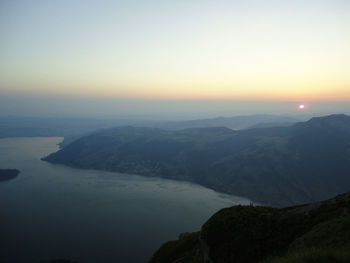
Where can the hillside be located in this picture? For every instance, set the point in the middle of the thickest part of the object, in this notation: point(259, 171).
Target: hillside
point(306, 162)
point(317, 232)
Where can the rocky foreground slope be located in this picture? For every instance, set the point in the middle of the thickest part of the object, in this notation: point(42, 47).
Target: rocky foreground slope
point(317, 232)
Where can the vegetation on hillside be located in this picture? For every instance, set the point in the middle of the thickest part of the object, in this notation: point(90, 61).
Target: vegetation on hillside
point(318, 232)
point(281, 166)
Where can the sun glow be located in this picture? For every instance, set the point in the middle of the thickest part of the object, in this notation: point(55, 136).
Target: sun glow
point(269, 51)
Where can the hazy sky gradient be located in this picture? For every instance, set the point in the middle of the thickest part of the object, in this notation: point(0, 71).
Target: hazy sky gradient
point(240, 50)
point(51, 106)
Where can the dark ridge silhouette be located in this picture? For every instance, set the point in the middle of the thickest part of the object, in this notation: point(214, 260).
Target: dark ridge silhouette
point(317, 232)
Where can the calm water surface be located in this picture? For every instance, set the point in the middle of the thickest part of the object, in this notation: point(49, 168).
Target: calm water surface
point(53, 211)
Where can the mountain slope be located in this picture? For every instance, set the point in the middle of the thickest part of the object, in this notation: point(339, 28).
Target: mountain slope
point(281, 166)
point(251, 234)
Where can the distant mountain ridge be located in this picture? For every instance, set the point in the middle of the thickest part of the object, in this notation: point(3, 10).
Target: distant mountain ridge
point(236, 122)
point(280, 166)
point(74, 128)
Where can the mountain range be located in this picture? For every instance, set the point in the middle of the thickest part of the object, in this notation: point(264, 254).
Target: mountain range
point(279, 166)
point(74, 128)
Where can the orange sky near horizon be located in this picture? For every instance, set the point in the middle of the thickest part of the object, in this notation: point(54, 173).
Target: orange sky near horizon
point(229, 50)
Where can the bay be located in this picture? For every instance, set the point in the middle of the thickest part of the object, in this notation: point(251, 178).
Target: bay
point(52, 211)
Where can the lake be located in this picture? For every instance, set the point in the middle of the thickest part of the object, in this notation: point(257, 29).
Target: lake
point(53, 211)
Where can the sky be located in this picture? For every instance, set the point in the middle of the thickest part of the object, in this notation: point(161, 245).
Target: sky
point(268, 52)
